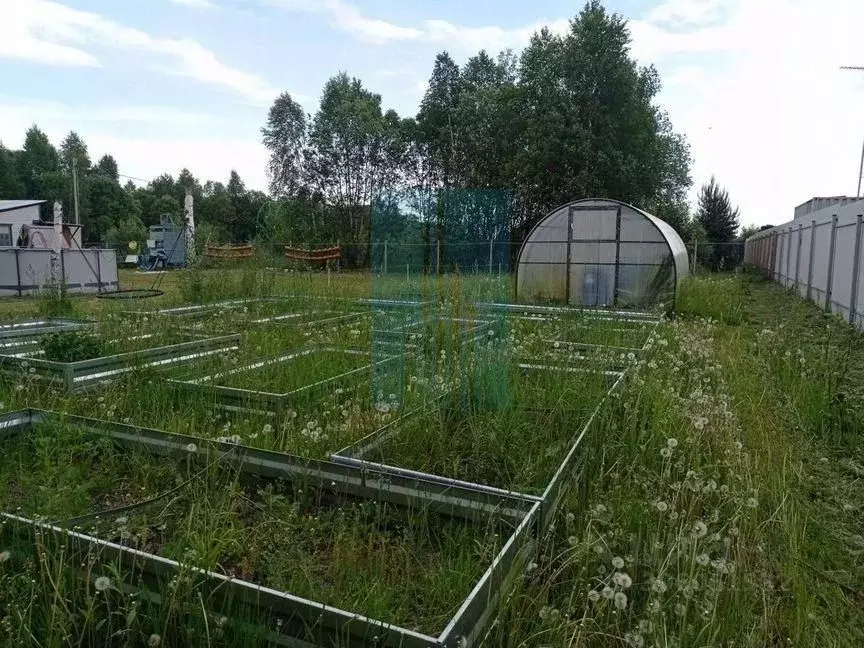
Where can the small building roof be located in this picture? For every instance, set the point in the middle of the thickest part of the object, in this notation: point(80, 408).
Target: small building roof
point(8, 205)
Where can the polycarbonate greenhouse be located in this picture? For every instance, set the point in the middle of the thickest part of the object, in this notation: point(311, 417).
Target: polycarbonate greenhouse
point(601, 253)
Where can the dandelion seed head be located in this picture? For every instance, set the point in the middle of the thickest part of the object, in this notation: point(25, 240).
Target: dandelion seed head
point(191, 448)
point(622, 580)
point(102, 583)
point(699, 529)
point(666, 452)
point(154, 640)
point(267, 429)
point(703, 559)
point(662, 506)
point(672, 443)
point(618, 562)
point(620, 600)
point(752, 502)
point(658, 586)
point(593, 596)
point(5, 556)
point(607, 592)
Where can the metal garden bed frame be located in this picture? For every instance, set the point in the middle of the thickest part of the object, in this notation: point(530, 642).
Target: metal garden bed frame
point(354, 453)
point(19, 337)
point(402, 337)
point(263, 401)
point(83, 373)
point(339, 627)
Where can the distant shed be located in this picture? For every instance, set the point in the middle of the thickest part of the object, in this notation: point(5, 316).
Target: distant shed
point(13, 215)
point(599, 252)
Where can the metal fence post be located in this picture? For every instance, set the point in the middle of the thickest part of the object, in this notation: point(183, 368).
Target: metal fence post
point(438, 256)
point(788, 254)
point(18, 271)
point(810, 263)
point(385, 256)
point(98, 271)
point(695, 256)
point(490, 257)
point(831, 263)
point(798, 259)
point(853, 301)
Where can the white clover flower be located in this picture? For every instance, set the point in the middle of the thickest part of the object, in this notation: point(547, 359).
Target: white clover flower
point(672, 443)
point(699, 529)
point(102, 583)
point(703, 559)
point(191, 448)
point(607, 592)
point(593, 596)
point(622, 580)
point(658, 586)
point(154, 640)
point(662, 506)
point(617, 562)
point(5, 556)
point(620, 600)
point(267, 429)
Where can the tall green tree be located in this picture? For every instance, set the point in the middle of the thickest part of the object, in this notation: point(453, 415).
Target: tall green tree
point(106, 167)
point(436, 122)
point(74, 148)
point(719, 220)
point(37, 158)
point(284, 135)
point(10, 184)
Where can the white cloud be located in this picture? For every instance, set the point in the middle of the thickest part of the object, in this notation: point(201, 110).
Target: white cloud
point(195, 4)
point(37, 24)
point(687, 13)
point(349, 19)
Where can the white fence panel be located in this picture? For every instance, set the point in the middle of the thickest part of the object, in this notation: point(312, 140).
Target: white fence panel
point(821, 255)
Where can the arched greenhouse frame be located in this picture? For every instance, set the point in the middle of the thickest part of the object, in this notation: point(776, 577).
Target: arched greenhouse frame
point(601, 253)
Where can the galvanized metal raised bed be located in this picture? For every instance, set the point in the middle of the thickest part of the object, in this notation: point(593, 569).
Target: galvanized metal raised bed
point(294, 619)
point(276, 402)
point(83, 373)
point(22, 337)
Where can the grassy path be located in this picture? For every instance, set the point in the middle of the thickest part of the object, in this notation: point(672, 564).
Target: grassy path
point(721, 502)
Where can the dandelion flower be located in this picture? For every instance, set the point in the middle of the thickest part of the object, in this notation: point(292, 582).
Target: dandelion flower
point(617, 562)
point(154, 640)
point(703, 559)
point(672, 443)
point(622, 580)
point(191, 447)
point(699, 529)
point(658, 586)
point(620, 600)
point(102, 583)
point(593, 596)
point(5, 556)
point(607, 592)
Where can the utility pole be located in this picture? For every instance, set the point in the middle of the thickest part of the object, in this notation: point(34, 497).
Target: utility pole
point(75, 186)
point(857, 68)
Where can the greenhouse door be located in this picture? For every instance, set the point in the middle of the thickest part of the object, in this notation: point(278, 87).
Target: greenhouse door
point(593, 252)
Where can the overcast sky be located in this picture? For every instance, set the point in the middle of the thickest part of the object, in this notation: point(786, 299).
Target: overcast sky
point(162, 84)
